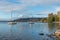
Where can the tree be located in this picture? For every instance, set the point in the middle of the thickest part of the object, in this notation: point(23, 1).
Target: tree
point(50, 18)
point(57, 19)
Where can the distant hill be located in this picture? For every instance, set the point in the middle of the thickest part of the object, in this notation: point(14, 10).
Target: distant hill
point(28, 19)
point(24, 20)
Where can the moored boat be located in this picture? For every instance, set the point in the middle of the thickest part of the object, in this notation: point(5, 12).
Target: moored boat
point(11, 23)
point(31, 22)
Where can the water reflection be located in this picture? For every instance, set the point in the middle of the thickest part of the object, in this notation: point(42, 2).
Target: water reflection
point(58, 25)
point(52, 27)
point(26, 31)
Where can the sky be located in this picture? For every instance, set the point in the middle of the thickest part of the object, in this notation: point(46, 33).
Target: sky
point(27, 8)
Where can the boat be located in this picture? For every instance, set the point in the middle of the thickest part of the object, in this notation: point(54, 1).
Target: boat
point(31, 22)
point(11, 23)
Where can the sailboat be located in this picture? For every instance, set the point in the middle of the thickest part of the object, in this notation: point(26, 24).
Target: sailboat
point(31, 22)
point(11, 22)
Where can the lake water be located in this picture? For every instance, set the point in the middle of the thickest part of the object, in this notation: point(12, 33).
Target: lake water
point(26, 31)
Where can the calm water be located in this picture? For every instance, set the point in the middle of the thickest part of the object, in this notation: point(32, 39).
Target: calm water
point(26, 31)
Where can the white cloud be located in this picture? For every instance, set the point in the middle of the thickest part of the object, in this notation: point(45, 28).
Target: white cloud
point(20, 16)
point(57, 8)
point(36, 2)
point(8, 7)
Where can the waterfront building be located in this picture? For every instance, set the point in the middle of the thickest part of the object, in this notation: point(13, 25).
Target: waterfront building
point(58, 15)
point(50, 17)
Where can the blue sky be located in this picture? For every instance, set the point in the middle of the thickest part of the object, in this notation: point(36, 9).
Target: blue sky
point(27, 8)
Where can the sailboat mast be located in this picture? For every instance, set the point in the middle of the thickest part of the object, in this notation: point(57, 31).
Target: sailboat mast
point(11, 14)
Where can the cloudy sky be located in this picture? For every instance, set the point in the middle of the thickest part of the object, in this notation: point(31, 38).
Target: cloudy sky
point(27, 8)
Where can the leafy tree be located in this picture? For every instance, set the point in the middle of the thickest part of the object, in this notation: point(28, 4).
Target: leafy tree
point(50, 18)
point(56, 18)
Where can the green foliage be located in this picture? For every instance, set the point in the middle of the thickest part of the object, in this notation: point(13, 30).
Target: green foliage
point(51, 18)
point(56, 18)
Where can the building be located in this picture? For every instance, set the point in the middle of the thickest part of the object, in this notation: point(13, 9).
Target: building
point(58, 15)
point(50, 17)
